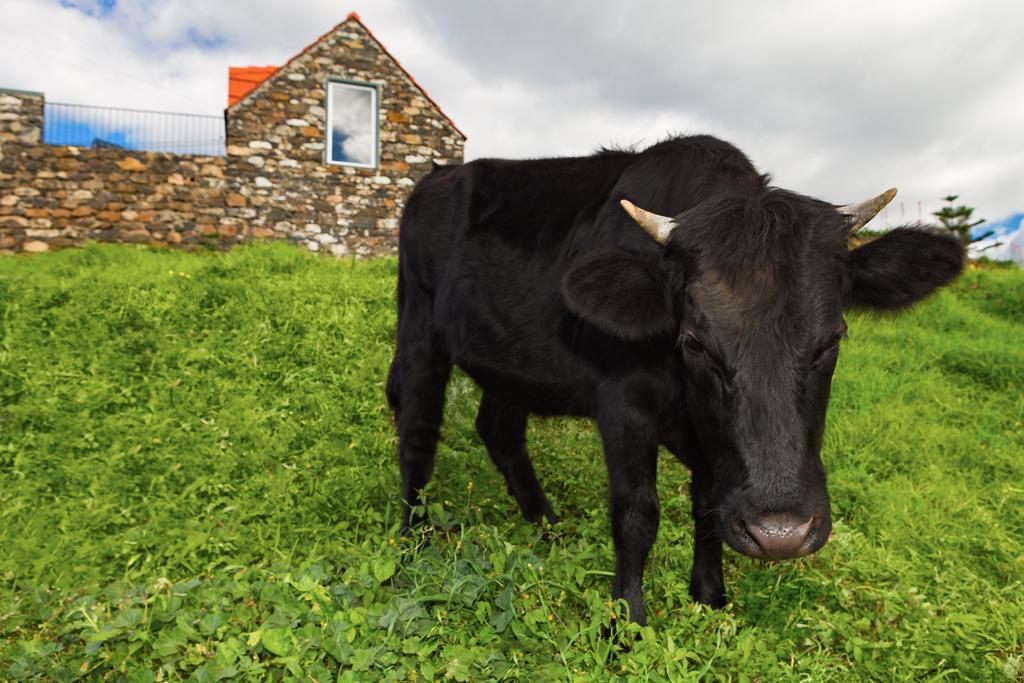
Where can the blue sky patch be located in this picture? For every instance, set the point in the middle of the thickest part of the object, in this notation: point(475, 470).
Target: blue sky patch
point(93, 8)
point(203, 40)
point(81, 134)
point(1003, 226)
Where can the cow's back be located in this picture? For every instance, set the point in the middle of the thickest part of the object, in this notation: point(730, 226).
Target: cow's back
point(484, 247)
point(531, 206)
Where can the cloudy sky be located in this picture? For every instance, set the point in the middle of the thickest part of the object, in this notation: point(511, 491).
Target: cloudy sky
point(836, 99)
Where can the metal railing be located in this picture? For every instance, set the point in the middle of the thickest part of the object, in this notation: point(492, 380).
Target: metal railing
point(135, 129)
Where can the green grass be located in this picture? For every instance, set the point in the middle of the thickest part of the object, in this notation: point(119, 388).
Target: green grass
point(198, 480)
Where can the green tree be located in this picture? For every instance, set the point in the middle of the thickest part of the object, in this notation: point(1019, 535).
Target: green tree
point(958, 219)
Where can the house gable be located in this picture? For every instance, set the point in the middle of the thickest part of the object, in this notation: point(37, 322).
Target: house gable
point(246, 82)
point(279, 178)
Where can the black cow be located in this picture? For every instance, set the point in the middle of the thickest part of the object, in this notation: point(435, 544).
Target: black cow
point(714, 332)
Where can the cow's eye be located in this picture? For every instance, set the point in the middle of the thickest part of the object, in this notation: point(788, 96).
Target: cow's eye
point(828, 353)
point(691, 344)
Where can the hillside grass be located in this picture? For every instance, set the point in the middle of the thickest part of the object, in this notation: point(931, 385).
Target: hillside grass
point(198, 480)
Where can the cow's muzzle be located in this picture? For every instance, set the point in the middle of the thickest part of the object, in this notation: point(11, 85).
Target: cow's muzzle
point(778, 535)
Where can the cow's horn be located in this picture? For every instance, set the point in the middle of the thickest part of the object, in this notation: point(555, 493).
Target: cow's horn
point(658, 227)
point(859, 214)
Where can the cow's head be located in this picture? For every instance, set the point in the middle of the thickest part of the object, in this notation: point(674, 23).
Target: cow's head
point(753, 289)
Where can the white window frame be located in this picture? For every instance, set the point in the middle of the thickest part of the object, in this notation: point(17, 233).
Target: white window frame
point(374, 120)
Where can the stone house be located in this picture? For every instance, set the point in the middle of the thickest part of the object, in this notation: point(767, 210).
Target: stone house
point(321, 151)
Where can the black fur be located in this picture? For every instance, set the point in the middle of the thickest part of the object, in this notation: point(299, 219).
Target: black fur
point(902, 267)
point(719, 346)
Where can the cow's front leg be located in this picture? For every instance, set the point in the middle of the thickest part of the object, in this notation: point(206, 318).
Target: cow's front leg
point(631, 454)
point(706, 583)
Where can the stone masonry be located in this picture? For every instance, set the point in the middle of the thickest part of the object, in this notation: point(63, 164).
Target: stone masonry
point(273, 183)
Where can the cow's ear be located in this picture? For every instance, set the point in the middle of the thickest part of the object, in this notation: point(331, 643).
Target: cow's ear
point(902, 267)
point(619, 293)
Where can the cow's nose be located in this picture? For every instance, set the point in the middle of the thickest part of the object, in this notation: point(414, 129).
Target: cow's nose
point(781, 535)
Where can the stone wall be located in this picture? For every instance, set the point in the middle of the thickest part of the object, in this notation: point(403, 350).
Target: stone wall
point(21, 118)
point(273, 183)
point(63, 196)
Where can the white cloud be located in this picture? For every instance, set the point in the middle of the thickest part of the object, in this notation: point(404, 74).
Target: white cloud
point(837, 100)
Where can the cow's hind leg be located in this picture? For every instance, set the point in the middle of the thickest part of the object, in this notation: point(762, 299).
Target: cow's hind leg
point(416, 386)
point(502, 426)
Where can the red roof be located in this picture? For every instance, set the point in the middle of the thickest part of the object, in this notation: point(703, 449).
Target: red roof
point(242, 80)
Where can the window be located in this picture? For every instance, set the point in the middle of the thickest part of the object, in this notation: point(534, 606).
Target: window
point(351, 124)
